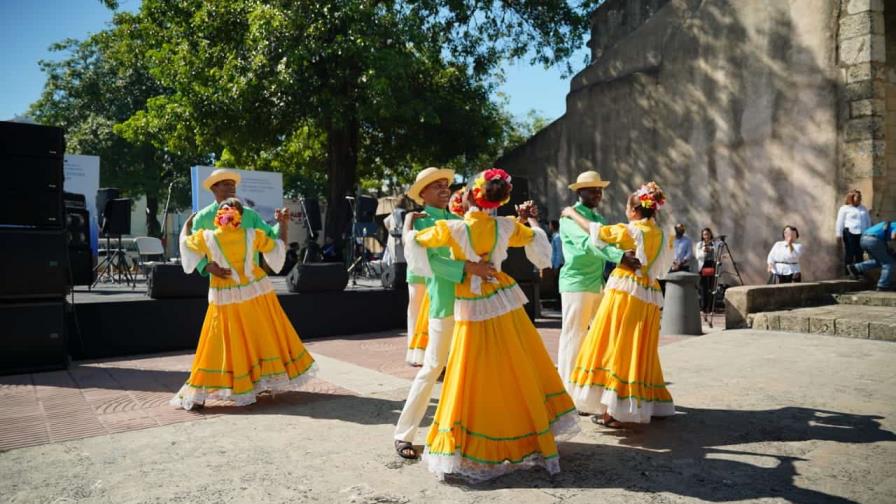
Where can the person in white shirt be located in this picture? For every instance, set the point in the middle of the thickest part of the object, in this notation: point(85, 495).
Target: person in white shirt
point(852, 220)
point(706, 253)
point(784, 257)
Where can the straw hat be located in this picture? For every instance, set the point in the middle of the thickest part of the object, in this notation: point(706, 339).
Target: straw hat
point(426, 177)
point(588, 179)
point(219, 175)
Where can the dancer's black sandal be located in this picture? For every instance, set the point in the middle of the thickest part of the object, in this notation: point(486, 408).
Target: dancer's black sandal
point(405, 450)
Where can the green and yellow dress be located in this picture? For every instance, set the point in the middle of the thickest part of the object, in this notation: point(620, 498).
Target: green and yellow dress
point(503, 405)
point(618, 367)
point(247, 344)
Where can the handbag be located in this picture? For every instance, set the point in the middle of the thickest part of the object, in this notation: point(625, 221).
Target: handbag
point(708, 271)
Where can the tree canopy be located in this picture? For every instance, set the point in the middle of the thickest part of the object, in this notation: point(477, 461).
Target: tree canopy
point(327, 92)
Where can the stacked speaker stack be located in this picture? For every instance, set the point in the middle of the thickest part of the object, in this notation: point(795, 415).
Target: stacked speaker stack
point(34, 264)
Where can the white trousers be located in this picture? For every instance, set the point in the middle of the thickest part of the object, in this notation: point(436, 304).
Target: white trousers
point(434, 360)
point(415, 299)
point(579, 309)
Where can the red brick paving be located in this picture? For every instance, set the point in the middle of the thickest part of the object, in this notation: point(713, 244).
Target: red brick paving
point(98, 398)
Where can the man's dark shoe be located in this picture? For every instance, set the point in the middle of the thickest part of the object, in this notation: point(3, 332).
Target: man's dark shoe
point(885, 289)
point(854, 272)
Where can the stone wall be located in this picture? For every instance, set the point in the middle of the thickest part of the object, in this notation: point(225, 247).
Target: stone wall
point(752, 115)
point(616, 19)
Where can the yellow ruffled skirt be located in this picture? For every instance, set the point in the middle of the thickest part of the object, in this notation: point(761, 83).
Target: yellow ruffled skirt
point(244, 349)
point(503, 406)
point(618, 367)
point(418, 342)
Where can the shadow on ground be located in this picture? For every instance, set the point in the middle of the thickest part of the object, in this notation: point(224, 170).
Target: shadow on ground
point(686, 455)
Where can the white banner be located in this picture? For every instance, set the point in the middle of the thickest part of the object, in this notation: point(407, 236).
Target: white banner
point(82, 176)
point(259, 190)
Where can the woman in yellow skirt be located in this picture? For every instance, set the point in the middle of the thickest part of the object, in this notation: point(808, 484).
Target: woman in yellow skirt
point(247, 344)
point(617, 373)
point(502, 406)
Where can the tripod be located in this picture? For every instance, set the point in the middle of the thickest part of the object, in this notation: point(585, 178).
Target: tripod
point(312, 252)
point(115, 259)
point(718, 289)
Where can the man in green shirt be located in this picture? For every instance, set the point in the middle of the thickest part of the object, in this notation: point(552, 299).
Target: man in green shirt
point(432, 189)
point(222, 183)
point(582, 274)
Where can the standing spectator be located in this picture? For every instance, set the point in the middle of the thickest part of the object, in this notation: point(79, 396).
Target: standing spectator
point(784, 257)
point(875, 241)
point(852, 220)
point(556, 245)
point(706, 253)
point(684, 250)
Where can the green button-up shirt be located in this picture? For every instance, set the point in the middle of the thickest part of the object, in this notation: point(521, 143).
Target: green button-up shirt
point(583, 267)
point(205, 219)
point(446, 271)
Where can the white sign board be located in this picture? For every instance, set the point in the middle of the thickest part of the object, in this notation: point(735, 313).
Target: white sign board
point(82, 176)
point(259, 190)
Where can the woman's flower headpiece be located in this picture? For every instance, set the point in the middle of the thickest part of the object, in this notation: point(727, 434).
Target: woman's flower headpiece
point(651, 196)
point(456, 203)
point(479, 188)
point(228, 217)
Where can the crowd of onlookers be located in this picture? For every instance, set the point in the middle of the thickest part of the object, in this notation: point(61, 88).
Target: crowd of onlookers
point(853, 228)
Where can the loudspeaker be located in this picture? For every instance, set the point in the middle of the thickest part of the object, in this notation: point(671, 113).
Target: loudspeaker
point(80, 257)
point(33, 337)
point(169, 281)
point(317, 277)
point(103, 196)
point(32, 264)
point(31, 159)
point(117, 217)
point(365, 216)
point(395, 276)
point(32, 196)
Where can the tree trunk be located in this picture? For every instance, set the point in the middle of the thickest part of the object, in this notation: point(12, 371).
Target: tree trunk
point(342, 167)
point(153, 228)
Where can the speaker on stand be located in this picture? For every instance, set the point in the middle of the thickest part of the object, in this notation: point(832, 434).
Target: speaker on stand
point(116, 222)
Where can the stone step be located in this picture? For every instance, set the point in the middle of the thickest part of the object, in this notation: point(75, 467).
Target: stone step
point(867, 298)
point(848, 321)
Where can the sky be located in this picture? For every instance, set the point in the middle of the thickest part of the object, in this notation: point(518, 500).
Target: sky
point(28, 27)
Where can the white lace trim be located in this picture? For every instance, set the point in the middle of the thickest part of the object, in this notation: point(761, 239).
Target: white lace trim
point(564, 428)
point(502, 301)
point(631, 287)
point(597, 400)
point(414, 356)
point(238, 294)
point(415, 255)
point(189, 259)
point(538, 251)
point(276, 257)
point(189, 396)
point(506, 227)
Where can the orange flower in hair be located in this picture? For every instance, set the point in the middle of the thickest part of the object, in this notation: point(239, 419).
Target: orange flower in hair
point(228, 217)
point(456, 203)
point(479, 187)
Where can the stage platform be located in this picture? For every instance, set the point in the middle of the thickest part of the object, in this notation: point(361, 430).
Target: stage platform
point(113, 320)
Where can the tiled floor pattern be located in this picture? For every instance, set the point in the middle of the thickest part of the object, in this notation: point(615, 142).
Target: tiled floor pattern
point(106, 397)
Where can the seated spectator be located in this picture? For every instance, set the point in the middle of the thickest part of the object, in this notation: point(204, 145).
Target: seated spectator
point(875, 240)
point(784, 258)
point(684, 253)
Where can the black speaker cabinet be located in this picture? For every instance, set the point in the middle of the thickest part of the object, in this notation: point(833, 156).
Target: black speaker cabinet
point(33, 337)
point(32, 264)
point(395, 276)
point(169, 281)
point(32, 195)
point(31, 140)
point(317, 277)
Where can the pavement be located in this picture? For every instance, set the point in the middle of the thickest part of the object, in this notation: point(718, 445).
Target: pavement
point(762, 416)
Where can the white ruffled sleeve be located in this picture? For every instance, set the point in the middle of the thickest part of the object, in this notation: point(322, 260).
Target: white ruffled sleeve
point(666, 257)
point(416, 256)
point(594, 232)
point(189, 258)
point(276, 257)
point(538, 251)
